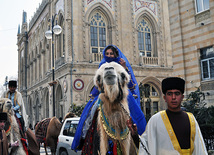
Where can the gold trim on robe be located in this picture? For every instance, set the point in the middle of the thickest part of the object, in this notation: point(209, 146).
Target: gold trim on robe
point(173, 137)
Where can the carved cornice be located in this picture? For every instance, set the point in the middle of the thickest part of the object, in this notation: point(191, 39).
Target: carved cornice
point(38, 12)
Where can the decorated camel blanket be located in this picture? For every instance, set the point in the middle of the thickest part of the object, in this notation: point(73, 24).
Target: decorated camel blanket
point(42, 130)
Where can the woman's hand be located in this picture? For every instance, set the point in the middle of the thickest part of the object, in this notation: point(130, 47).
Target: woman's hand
point(132, 127)
point(122, 62)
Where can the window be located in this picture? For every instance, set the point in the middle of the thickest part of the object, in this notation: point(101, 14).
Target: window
point(148, 108)
point(97, 33)
point(145, 38)
point(207, 63)
point(155, 107)
point(149, 91)
point(202, 5)
point(70, 128)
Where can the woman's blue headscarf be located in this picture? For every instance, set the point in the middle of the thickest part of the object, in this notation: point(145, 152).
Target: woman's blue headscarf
point(133, 102)
point(117, 59)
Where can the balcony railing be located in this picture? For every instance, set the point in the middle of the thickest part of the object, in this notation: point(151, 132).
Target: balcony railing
point(97, 57)
point(149, 60)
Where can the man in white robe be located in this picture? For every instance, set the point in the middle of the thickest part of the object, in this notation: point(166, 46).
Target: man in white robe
point(18, 103)
point(157, 140)
point(172, 131)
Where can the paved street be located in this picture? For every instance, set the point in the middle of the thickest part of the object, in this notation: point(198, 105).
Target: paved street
point(42, 150)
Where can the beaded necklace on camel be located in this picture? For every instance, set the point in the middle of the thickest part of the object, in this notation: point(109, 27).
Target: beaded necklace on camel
point(110, 131)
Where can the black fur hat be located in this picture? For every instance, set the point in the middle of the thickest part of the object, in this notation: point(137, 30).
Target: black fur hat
point(173, 83)
point(3, 116)
point(12, 83)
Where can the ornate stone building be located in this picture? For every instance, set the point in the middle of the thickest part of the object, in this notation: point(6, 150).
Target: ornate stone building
point(139, 28)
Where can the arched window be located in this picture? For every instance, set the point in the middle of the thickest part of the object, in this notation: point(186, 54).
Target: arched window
point(98, 27)
point(145, 38)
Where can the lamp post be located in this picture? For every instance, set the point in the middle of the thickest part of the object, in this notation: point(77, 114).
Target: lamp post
point(55, 29)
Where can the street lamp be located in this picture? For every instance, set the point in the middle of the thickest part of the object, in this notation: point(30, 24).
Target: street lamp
point(55, 29)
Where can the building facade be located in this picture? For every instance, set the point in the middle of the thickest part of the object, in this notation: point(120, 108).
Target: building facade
point(192, 36)
point(141, 29)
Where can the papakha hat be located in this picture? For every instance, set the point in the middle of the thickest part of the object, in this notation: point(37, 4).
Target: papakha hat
point(12, 83)
point(173, 83)
point(3, 116)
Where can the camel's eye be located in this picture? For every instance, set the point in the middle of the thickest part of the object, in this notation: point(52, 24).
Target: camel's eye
point(123, 76)
point(98, 78)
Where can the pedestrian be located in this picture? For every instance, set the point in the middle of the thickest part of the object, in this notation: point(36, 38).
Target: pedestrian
point(4, 145)
point(18, 105)
point(111, 53)
point(172, 131)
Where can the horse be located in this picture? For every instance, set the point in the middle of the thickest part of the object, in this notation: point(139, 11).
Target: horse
point(12, 127)
point(47, 132)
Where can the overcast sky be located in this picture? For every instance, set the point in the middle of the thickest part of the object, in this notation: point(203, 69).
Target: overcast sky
point(11, 16)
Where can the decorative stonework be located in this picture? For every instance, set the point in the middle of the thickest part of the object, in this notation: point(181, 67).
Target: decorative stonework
point(133, 34)
point(83, 29)
point(139, 5)
point(202, 16)
point(108, 3)
point(205, 86)
point(78, 98)
point(116, 22)
point(78, 84)
point(162, 52)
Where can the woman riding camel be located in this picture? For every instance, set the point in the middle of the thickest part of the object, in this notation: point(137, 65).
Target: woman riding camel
point(111, 53)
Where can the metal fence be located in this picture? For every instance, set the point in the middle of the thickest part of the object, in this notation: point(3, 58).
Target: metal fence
point(209, 143)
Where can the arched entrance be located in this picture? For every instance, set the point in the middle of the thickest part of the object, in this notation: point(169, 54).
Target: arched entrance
point(150, 99)
point(59, 102)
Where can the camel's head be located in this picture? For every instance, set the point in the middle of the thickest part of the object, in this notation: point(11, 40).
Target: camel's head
point(5, 105)
point(112, 79)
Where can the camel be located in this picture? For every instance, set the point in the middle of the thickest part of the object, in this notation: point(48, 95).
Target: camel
point(11, 127)
point(112, 79)
point(47, 132)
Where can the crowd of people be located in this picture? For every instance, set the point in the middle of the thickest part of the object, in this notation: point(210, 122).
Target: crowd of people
point(171, 131)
